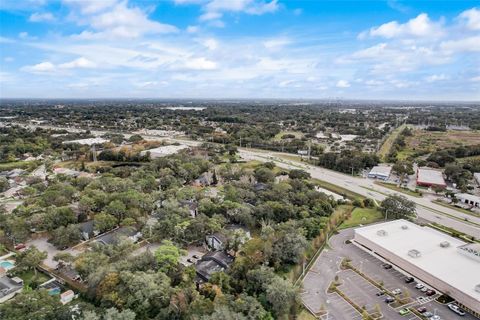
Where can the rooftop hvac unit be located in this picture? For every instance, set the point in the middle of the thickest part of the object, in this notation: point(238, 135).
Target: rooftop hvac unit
point(404, 227)
point(444, 244)
point(382, 233)
point(414, 253)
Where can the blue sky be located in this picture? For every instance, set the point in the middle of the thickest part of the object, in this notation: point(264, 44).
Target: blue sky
point(240, 49)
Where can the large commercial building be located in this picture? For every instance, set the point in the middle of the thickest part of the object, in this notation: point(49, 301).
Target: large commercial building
point(427, 177)
point(468, 199)
point(164, 151)
point(380, 172)
point(447, 264)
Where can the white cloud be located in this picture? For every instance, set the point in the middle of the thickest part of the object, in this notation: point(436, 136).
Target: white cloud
point(200, 64)
point(343, 84)
point(421, 26)
point(276, 43)
point(471, 44)
point(210, 43)
point(23, 35)
point(8, 59)
point(436, 77)
point(41, 17)
point(43, 67)
point(119, 21)
point(192, 29)
point(80, 63)
point(471, 18)
point(214, 9)
point(91, 6)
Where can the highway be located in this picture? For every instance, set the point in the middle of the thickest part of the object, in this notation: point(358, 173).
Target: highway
point(426, 209)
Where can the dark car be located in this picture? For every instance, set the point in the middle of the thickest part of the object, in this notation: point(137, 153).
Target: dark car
point(430, 293)
point(380, 293)
point(421, 309)
point(20, 246)
point(389, 299)
point(195, 256)
point(189, 260)
point(409, 279)
point(387, 266)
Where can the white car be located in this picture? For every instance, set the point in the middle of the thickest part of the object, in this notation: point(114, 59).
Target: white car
point(456, 309)
point(419, 286)
point(435, 317)
point(424, 289)
point(397, 292)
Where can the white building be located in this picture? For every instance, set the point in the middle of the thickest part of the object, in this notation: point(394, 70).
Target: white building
point(164, 151)
point(469, 199)
point(380, 172)
point(88, 142)
point(447, 264)
point(427, 177)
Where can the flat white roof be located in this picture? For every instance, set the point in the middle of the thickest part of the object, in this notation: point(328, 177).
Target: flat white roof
point(381, 170)
point(476, 175)
point(164, 150)
point(89, 141)
point(467, 196)
point(430, 176)
point(448, 264)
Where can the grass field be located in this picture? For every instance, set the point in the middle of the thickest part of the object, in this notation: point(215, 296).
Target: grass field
point(387, 144)
point(28, 277)
point(396, 188)
point(27, 165)
point(362, 216)
point(339, 190)
point(297, 134)
point(424, 142)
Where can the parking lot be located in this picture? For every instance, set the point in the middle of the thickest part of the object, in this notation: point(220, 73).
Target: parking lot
point(358, 289)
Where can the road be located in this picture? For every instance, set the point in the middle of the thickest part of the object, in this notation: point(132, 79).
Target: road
point(426, 210)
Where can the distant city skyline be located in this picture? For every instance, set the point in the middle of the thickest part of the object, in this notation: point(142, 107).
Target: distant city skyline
point(240, 49)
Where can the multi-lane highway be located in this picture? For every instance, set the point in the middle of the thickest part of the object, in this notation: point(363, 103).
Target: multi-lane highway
point(426, 209)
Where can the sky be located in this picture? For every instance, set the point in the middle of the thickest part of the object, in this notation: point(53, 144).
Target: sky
point(292, 49)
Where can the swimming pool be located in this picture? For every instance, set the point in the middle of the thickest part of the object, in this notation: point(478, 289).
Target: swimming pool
point(7, 265)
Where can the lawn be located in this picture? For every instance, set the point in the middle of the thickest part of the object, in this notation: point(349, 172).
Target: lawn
point(362, 216)
point(387, 144)
point(337, 189)
point(29, 276)
point(399, 189)
point(27, 165)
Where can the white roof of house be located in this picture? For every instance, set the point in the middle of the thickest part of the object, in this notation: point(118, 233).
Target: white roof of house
point(467, 196)
point(164, 151)
point(89, 141)
point(381, 170)
point(446, 263)
point(430, 176)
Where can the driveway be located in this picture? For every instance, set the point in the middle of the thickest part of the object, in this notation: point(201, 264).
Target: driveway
point(43, 245)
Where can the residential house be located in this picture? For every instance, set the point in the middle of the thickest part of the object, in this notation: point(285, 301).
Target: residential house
point(114, 236)
point(211, 263)
point(9, 287)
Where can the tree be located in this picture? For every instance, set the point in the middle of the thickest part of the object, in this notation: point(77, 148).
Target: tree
point(66, 236)
point(135, 138)
point(264, 175)
point(298, 174)
point(403, 169)
point(4, 185)
point(168, 256)
point(117, 209)
point(398, 206)
point(104, 222)
point(282, 296)
point(30, 258)
point(34, 304)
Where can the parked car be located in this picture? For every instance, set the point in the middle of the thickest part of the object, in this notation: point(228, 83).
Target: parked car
point(195, 256)
point(427, 314)
point(419, 286)
point(20, 246)
point(424, 289)
point(421, 309)
point(380, 293)
point(387, 266)
point(389, 299)
point(397, 292)
point(435, 317)
point(190, 260)
point(456, 309)
point(409, 279)
point(430, 292)
point(403, 311)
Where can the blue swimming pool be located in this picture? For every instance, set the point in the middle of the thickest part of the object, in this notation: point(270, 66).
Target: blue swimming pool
point(7, 265)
